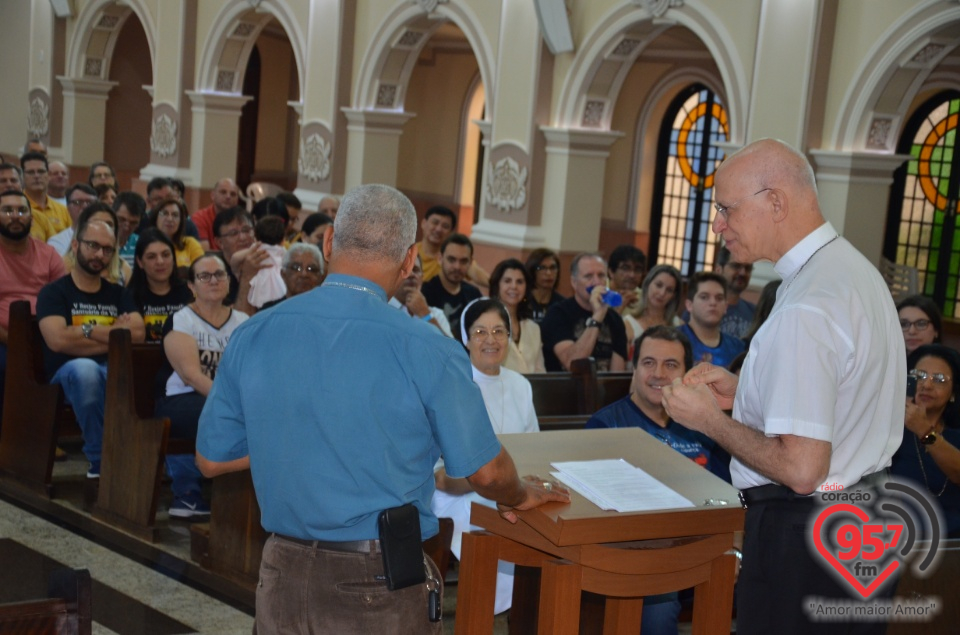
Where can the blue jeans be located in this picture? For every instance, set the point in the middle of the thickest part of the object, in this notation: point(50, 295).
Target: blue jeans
point(660, 613)
point(184, 414)
point(84, 384)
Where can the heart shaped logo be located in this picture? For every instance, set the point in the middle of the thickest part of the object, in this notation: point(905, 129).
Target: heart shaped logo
point(850, 539)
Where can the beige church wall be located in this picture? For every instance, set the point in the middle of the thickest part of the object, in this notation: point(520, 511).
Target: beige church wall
point(430, 143)
point(126, 146)
point(16, 77)
point(276, 90)
point(860, 25)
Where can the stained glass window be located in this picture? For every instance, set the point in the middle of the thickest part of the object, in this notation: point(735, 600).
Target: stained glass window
point(688, 156)
point(922, 222)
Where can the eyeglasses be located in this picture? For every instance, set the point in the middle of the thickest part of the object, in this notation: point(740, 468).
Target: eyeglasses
point(724, 210)
point(34, 172)
point(937, 378)
point(205, 276)
point(15, 211)
point(169, 214)
point(547, 268)
point(296, 266)
point(737, 266)
point(95, 247)
point(246, 231)
point(920, 325)
point(82, 201)
point(626, 267)
point(481, 334)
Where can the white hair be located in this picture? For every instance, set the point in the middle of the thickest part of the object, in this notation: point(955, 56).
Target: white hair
point(376, 222)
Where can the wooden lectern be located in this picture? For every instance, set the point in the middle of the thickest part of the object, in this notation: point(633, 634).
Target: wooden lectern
point(623, 556)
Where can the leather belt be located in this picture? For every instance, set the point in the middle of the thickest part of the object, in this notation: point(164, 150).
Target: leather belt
point(782, 493)
point(349, 546)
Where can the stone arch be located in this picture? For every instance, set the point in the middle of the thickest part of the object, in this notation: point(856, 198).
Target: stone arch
point(97, 27)
point(389, 61)
point(232, 37)
point(901, 64)
point(604, 58)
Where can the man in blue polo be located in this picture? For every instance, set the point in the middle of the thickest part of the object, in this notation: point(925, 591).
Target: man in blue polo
point(352, 434)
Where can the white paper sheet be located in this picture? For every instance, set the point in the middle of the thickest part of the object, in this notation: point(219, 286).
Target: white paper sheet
point(617, 485)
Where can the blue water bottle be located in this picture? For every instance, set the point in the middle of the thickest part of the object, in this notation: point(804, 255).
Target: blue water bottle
point(609, 297)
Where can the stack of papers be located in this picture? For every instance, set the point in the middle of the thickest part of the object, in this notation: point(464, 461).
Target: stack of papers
point(617, 485)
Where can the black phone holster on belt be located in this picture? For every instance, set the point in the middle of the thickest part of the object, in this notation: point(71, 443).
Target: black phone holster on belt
point(401, 547)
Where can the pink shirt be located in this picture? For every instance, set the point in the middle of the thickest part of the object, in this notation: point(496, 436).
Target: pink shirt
point(23, 275)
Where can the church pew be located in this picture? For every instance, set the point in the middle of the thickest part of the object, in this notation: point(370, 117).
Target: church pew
point(134, 442)
point(31, 409)
point(67, 610)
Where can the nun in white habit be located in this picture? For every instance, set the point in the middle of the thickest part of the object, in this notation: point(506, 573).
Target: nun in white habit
point(508, 397)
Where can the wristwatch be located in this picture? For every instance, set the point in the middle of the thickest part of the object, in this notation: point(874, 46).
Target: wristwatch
point(592, 322)
point(87, 330)
point(930, 438)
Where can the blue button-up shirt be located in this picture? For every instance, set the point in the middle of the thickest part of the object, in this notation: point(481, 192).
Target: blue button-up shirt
point(344, 405)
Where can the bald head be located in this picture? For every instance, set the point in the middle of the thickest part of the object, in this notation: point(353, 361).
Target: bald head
point(768, 196)
point(225, 194)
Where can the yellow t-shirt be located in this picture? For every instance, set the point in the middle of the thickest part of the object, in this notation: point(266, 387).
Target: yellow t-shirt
point(56, 215)
point(39, 225)
point(431, 266)
point(190, 252)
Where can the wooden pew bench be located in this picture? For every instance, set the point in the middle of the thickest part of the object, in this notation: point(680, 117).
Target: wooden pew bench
point(34, 414)
point(67, 610)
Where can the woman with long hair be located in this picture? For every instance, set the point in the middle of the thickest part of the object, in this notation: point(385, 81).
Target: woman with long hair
point(509, 283)
point(170, 217)
point(659, 304)
point(155, 288)
point(543, 267)
point(920, 321)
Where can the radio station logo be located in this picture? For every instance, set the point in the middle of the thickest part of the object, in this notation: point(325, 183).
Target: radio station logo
point(867, 538)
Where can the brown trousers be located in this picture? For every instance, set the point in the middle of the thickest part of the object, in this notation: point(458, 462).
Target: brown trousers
point(308, 590)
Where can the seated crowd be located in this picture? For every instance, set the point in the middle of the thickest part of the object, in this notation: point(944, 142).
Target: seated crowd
point(91, 258)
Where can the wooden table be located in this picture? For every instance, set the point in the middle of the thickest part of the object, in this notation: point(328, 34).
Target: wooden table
point(624, 556)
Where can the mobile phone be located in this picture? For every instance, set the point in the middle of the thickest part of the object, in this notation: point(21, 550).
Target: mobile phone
point(401, 546)
point(911, 386)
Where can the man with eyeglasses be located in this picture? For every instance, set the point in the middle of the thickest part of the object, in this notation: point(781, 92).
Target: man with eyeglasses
point(301, 270)
point(244, 257)
point(819, 402)
point(49, 217)
point(79, 196)
point(627, 267)
point(26, 265)
point(77, 314)
point(740, 312)
point(409, 298)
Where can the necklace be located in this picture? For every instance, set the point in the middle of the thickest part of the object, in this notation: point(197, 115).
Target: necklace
point(923, 470)
point(355, 287)
point(797, 275)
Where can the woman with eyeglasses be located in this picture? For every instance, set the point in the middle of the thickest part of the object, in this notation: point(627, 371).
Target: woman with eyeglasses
point(920, 321)
point(509, 284)
point(194, 339)
point(543, 266)
point(929, 453)
point(170, 217)
point(508, 397)
point(155, 288)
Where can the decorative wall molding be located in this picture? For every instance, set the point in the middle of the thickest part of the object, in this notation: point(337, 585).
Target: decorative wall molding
point(879, 137)
point(429, 5)
point(593, 113)
point(658, 7)
point(163, 136)
point(92, 67)
point(386, 95)
point(314, 162)
point(38, 117)
point(507, 185)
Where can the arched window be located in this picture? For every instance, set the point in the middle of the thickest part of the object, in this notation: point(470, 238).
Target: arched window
point(922, 217)
point(687, 157)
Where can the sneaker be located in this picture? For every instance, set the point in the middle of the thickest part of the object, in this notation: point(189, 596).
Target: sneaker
point(190, 506)
point(94, 470)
